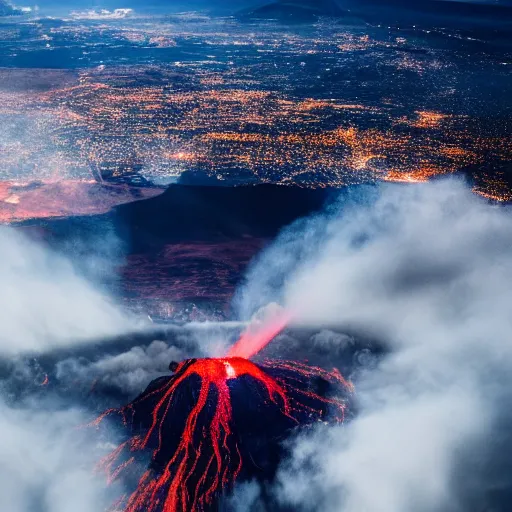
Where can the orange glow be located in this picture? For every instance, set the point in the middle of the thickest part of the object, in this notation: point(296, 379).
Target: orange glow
point(419, 175)
point(490, 196)
point(215, 450)
point(64, 198)
point(182, 155)
point(405, 177)
point(427, 119)
point(255, 339)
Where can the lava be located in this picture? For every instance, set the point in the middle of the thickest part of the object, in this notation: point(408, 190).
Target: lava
point(254, 340)
point(219, 420)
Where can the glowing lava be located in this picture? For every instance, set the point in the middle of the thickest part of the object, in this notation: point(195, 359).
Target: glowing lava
point(198, 426)
point(253, 340)
point(217, 420)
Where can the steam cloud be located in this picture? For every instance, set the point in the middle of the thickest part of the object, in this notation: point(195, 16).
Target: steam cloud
point(45, 303)
point(45, 462)
point(45, 465)
point(130, 371)
point(427, 269)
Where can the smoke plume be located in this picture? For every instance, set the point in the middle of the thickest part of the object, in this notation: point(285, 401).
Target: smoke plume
point(45, 461)
point(46, 303)
point(427, 270)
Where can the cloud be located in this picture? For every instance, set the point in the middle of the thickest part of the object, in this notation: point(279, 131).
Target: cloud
point(6, 9)
point(45, 462)
point(246, 499)
point(102, 14)
point(426, 269)
point(129, 372)
point(46, 304)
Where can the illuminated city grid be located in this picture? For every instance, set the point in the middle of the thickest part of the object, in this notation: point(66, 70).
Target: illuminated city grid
point(325, 106)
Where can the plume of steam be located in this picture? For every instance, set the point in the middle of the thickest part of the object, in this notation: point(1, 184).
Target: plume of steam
point(428, 270)
point(129, 371)
point(45, 303)
point(45, 462)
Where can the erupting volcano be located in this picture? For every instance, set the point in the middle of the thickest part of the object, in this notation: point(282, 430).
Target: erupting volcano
point(219, 420)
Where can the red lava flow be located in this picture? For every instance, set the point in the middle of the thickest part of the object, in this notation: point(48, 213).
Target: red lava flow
point(208, 459)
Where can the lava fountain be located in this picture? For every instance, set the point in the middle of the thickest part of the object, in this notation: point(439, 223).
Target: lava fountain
point(218, 420)
point(252, 341)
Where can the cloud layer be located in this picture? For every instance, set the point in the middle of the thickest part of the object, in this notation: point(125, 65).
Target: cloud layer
point(46, 463)
point(45, 303)
point(427, 269)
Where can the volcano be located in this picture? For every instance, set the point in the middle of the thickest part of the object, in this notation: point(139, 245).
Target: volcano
point(215, 422)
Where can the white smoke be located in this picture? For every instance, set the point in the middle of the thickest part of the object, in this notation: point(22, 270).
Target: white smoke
point(130, 371)
point(45, 303)
point(46, 463)
point(428, 269)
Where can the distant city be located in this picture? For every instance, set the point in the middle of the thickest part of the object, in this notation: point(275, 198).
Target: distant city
point(109, 97)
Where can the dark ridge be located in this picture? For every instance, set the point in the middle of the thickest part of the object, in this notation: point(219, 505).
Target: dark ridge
point(187, 247)
point(483, 21)
point(216, 213)
point(186, 213)
point(443, 7)
point(298, 11)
